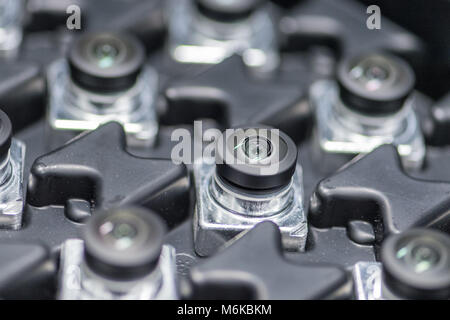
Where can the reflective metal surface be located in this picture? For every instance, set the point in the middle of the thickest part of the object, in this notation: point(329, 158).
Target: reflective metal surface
point(73, 108)
point(11, 187)
point(341, 130)
point(11, 17)
point(368, 282)
point(222, 214)
point(78, 282)
point(194, 38)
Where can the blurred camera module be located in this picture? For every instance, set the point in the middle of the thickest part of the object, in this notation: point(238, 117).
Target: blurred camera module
point(122, 257)
point(104, 78)
point(12, 157)
point(370, 104)
point(415, 265)
point(255, 178)
point(208, 31)
point(11, 19)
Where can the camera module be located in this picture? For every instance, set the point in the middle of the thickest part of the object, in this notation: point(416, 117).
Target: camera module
point(369, 104)
point(12, 158)
point(416, 264)
point(121, 257)
point(256, 178)
point(104, 78)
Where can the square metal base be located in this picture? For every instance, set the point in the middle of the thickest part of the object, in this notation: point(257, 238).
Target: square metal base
point(76, 283)
point(11, 192)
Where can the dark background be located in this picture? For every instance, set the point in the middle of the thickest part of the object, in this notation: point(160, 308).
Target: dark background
point(430, 20)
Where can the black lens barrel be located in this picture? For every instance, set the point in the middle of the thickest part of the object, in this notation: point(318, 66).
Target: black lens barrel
point(234, 166)
point(412, 278)
point(119, 74)
point(380, 100)
point(228, 11)
point(136, 260)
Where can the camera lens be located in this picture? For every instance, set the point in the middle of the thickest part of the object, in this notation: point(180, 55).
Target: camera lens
point(119, 234)
point(123, 243)
point(417, 264)
point(105, 54)
point(257, 148)
point(375, 84)
point(228, 10)
point(256, 157)
point(371, 75)
point(419, 256)
point(106, 62)
point(5, 135)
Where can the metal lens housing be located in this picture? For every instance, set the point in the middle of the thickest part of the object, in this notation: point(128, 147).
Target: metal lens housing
point(104, 80)
point(196, 37)
point(369, 105)
point(78, 282)
point(12, 159)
